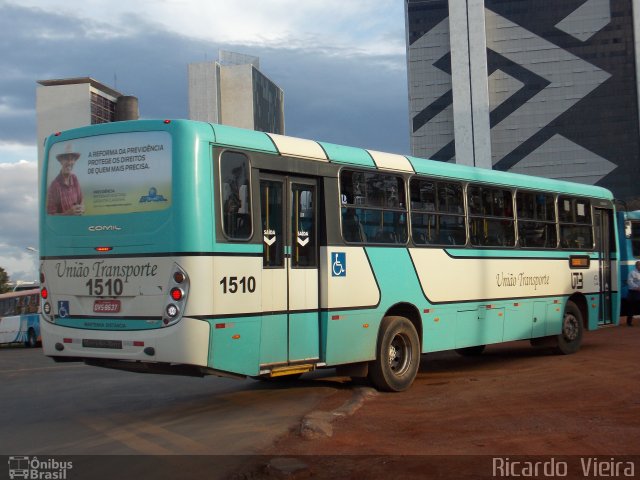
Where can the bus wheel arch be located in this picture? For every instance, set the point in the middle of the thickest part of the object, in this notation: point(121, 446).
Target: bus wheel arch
point(411, 313)
point(580, 301)
point(397, 355)
point(569, 339)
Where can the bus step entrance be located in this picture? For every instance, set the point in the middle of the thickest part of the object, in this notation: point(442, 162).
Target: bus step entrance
point(291, 370)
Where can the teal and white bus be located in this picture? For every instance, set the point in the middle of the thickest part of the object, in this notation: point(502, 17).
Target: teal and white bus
point(629, 253)
point(19, 319)
point(192, 248)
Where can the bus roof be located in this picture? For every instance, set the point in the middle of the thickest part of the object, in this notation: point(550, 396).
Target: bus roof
point(20, 293)
point(631, 215)
point(270, 143)
point(226, 136)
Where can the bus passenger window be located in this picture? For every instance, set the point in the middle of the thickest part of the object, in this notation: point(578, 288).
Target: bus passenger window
point(491, 222)
point(352, 229)
point(536, 220)
point(235, 195)
point(576, 230)
point(437, 213)
point(373, 207)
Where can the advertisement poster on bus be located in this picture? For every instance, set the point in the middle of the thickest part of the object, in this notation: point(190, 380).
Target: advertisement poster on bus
point(110, 174)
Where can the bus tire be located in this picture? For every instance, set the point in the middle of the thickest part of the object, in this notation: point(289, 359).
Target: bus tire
point(397, 355)
point(31, 341)
point(474, 351)
point(570, 338)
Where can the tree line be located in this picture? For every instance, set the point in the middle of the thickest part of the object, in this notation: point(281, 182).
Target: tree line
point(4, 281)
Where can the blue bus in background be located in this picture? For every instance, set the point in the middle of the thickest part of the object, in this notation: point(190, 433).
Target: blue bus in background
point(629, 247)
point(19, 317)
point(193, 248)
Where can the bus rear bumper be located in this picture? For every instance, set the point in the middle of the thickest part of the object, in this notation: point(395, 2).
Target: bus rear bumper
point(186, 343)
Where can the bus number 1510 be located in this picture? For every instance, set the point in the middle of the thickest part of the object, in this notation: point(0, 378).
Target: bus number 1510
point(110, 288)
point(238, 284)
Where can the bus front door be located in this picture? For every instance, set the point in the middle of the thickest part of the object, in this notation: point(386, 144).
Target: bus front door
point(603, 222)
point(290, 327)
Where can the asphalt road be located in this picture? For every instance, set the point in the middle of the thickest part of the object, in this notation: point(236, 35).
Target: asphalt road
point(513, 401)
point(49, 408)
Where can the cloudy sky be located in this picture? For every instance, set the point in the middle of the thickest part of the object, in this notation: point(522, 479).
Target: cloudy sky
point(341, 64)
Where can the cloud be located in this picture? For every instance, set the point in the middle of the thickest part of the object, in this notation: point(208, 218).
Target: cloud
point(20, 264)
point(14, 152)
point(18, 188)
point(18, 217)
point(341, 64)
point(327, 86)
point(358, 24)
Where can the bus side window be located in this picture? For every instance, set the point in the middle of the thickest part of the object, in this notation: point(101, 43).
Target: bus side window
point(373, 207)
point(576, 230)
point(536, 220)
point(34, 301)
point(352, 227)
point(234, 196)
point(437, 212)
point(491, 220)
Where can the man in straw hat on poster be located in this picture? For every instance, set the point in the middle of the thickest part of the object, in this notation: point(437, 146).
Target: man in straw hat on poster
point(65, 196)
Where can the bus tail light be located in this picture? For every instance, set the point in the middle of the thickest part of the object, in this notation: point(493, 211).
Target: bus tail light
point(45, 302)
point(178, 277)
point(178, 289)
point(177, 294)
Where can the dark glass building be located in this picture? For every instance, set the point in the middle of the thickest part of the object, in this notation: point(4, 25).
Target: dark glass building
point(541, 87)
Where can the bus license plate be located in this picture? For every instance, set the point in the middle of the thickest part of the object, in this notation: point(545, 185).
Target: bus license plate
point(90, 343)
point(106, 306)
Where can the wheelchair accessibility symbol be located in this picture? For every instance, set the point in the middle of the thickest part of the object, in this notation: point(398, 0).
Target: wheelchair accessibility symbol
point(338, 264)
point(63, 308)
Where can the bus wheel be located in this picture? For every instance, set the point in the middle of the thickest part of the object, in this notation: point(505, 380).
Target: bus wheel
point(471, 351)
point(31, 341)
point(569, 340)
point(397, 355)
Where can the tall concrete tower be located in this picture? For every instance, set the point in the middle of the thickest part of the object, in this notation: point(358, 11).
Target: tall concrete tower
point(233, 91)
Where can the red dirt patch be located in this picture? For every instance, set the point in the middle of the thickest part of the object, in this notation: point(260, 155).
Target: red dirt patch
point(514, 400)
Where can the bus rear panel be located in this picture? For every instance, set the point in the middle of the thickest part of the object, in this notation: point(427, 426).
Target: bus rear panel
point(117, 272)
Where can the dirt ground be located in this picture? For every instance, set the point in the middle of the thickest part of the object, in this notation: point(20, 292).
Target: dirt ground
point(514, 403)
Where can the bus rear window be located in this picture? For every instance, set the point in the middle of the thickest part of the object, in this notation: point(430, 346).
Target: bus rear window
point(110, 174)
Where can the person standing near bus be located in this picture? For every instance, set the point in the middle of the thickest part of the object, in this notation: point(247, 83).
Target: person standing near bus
point(633, 282)
point(65, 196)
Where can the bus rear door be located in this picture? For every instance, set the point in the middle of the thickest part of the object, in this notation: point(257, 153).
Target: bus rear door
point(289, 215)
